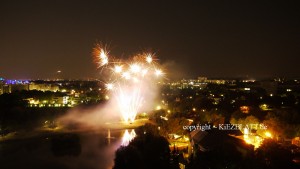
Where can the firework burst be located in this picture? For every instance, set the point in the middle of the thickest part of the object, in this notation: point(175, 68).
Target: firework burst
point(128, 80)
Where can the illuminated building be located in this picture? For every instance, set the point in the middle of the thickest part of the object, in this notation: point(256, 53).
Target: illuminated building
point(270, 86)
point(8, 86)
point(61, 100)
point(1, 86)
point(43, 87)
point(199, 83)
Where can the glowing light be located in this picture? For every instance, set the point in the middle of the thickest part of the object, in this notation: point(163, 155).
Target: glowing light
point(136, 80)
point(248, 141)
point(268, 134)
point(246, 136)
point(149, 58)
point(135, 68)
point(164, 118)
point(127, 137)
point(158, 72)
point(126, 75)
point(104, 61)
point(186, 138)
point(118, 69)
point(35, 102)
point(129, 103)
point(109, 86)
point(246, 131)
point(144, 72)
point(103, 57)
point(252, 139)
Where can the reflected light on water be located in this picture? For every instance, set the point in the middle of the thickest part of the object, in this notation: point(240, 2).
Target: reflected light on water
point(127, 137)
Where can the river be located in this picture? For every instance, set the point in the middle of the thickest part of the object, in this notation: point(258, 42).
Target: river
point(72, 150)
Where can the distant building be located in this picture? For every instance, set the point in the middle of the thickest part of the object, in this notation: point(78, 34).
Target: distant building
point(269, 86)
point(6, 88)
point(216, 81)
point(211, 140)
point(1, 87)
point(75, 100)
point(188, 84)
point(202, 79)
point(199, 83)
point(61, 100)
point(43, 87)
point(296, 141)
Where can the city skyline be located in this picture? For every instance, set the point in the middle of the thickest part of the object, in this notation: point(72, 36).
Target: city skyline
point(194, 38)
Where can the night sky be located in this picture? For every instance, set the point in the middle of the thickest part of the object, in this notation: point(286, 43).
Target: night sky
point(230, 38)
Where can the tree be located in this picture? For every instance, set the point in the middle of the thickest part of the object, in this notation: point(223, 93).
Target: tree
point(174, 126)
point(227, 154)
point(274, 156)
point(146, 151)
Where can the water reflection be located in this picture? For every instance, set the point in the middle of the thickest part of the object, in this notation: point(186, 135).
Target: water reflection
point(74, 150)
point(109, 137)
point(127, 137)
point(66, 145)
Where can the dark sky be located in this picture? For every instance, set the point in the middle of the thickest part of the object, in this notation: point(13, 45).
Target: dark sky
point(230, 38)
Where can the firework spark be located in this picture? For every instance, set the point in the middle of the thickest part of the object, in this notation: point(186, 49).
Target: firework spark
point(149, 58)
point(128, 80)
